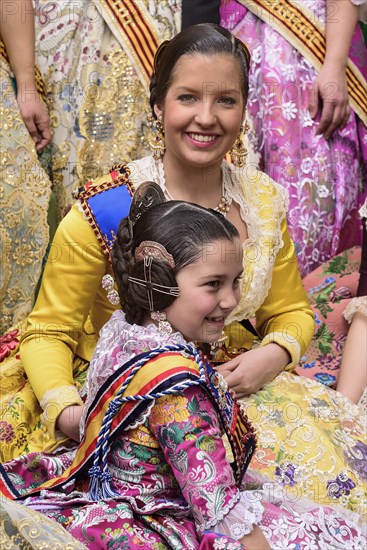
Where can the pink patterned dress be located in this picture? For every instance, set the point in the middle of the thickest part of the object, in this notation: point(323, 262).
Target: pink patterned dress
point(174, 486)
point(323, 178)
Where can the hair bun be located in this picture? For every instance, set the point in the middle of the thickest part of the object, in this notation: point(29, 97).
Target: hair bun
point(148, 194)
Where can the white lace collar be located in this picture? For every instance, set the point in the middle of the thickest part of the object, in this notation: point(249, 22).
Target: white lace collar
point(118, 343)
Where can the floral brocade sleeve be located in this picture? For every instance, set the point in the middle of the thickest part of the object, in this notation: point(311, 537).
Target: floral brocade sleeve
point(187, 428)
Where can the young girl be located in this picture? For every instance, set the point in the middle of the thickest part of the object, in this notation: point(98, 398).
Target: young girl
point(151, 470)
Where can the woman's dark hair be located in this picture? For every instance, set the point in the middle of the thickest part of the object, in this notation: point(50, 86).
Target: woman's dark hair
point(183, 229)
point(204, 39)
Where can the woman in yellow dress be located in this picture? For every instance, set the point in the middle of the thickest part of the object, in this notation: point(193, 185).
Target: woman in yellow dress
point(198, 98)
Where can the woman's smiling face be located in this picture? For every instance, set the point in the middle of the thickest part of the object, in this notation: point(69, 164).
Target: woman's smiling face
point(203, 109)
point(209, 291)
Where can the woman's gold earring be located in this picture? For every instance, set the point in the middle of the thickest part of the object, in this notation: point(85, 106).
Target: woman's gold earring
point(239, 152)
point(156, 144)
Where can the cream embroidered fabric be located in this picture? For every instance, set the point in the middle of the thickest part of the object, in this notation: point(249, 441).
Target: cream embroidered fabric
point(22, 528)
point(25, 191)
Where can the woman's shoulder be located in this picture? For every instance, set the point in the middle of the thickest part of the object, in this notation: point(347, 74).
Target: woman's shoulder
point(103, 202)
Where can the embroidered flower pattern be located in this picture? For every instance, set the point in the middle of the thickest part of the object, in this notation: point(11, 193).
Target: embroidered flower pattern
point(8, 343)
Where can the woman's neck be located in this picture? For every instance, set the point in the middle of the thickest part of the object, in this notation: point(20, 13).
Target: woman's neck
point(198, 184)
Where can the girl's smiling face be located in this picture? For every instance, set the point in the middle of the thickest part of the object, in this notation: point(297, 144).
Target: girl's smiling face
point(203, 109)
point(209, 291)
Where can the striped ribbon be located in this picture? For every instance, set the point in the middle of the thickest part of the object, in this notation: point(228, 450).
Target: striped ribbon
point(131, 23)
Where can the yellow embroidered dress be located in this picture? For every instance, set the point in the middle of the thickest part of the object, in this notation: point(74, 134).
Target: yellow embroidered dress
point(291, 413)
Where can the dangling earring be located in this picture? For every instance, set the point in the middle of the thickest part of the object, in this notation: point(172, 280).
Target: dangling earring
point(157, 144)
point(164, 327)
point(239, 152)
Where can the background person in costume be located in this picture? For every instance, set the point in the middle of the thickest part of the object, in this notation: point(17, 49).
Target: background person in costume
point(151, 468)
point(97, 58)
point(200, 124)
point(25, 188)
point(310, 132)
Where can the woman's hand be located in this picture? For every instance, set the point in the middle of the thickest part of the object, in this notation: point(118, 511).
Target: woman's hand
point(248, 372)
point(68, 421)
point(35, 116)
point(329, 96)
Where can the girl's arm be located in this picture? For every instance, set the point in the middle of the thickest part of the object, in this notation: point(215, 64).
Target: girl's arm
point(17, 33)
point(329, 94)
point(353, 369)
point(352, 379)
point(187, 428)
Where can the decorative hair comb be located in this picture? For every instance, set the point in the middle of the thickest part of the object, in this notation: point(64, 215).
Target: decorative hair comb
point(154, 250)
point(148, 194)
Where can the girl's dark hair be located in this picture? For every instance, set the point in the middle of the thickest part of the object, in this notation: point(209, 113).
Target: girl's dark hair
point(183, 229)
point(204, 39)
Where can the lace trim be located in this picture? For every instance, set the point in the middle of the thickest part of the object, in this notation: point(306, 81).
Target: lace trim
point(250, 513)
point(263, 206)
point(240, 520)
point(55, 400)
point(356, 305)
point(220, 515)
point(119, 342)
point(290, 343)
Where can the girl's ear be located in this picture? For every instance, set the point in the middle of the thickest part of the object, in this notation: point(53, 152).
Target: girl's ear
point(158, 109)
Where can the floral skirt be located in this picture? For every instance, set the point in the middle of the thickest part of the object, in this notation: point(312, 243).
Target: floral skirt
point(116, 523)
point(25, 193)
point(312, 440)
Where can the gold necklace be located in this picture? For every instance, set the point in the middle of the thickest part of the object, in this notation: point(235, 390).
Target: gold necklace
point(224, 204)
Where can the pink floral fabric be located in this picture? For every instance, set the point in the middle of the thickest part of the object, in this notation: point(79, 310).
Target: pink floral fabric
point(323, 178)
point(174, 484)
